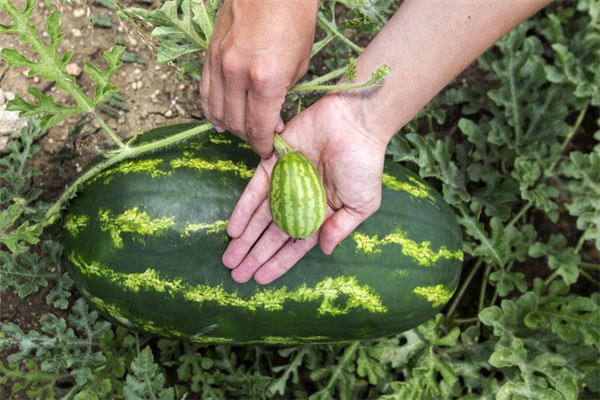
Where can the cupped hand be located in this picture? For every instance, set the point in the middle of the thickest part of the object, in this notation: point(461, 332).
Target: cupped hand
point(349, 159)
point(258, 50)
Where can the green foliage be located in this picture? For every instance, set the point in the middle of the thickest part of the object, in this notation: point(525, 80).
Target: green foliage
point(51, 65)
point(514, 149)
point(182, 26)
point(144, 381)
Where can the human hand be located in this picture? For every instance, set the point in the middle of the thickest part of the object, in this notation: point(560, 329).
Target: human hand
point(258, 50)
point(349, 159)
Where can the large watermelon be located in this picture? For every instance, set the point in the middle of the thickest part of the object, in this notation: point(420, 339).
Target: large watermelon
point(144, 242)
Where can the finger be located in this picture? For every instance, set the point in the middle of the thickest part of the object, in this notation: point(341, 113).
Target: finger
point(216, 95)
point(205, 87)
point(280, 126)
point(240, 246)
point(268, 244)
point(286, 258)
point(234, 100)
point(338, 226)
point(262, 117)
point(254, 195)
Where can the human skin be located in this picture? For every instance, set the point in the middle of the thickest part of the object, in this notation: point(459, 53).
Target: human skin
point(258, 50)
point(426, 44)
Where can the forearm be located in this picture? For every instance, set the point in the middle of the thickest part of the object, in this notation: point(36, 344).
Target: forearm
point(426, 44)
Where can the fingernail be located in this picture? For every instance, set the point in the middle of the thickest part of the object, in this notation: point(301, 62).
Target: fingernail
point(219, 129)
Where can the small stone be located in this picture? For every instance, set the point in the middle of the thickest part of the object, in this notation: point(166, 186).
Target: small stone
point(80, 12)
point(36, 79)
point(132, 41)
point(137, 71)
point(76, 32)
point(73, 69)
point(181, 87)
point(169, 113)
point(180, 110)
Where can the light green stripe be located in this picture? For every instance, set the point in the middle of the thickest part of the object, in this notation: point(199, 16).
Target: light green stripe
point(290, 340)
point(132, 221)
point(335, 296)
point(318, 195)
point(436, 295)
point(299, 208)
point(149, 167)
point(287, 203)
point(414, 187)
point(421, 252)
point(210, 228)
point(199, 164)
point(76, 223)
point(308, 207)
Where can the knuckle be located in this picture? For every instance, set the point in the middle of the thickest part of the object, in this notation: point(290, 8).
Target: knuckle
point(232, 126)
point(261, 78)
point(253, 132)
point(230, 64)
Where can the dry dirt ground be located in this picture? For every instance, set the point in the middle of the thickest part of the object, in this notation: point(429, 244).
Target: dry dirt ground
point(155, 94)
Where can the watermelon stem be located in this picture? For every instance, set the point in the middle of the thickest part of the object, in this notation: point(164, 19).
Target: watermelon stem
point(281, 146)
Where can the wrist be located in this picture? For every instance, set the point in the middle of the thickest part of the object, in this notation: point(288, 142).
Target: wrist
point(366, 116)
point(355, 118)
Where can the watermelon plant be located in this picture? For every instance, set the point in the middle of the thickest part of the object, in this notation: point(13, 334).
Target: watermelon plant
point(512, 146)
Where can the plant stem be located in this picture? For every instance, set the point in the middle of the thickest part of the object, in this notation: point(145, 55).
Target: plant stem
point(320, 45)
point(340, 86)
point(281, 145)
point(332, 28)
point(463, 288)
point(466, 320)
point(336, 73)
point(590, 266)
point(590, 277)
point(569, 137)
point(349, 355)
point(551, 277)
point(581, 241)
point(486, 273)
point(125, 153)
point(113, 135)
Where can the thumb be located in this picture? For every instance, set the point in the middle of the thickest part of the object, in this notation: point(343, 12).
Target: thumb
point(338, 226)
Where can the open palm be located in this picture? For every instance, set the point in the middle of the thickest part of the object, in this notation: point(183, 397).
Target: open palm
point(349, 159)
